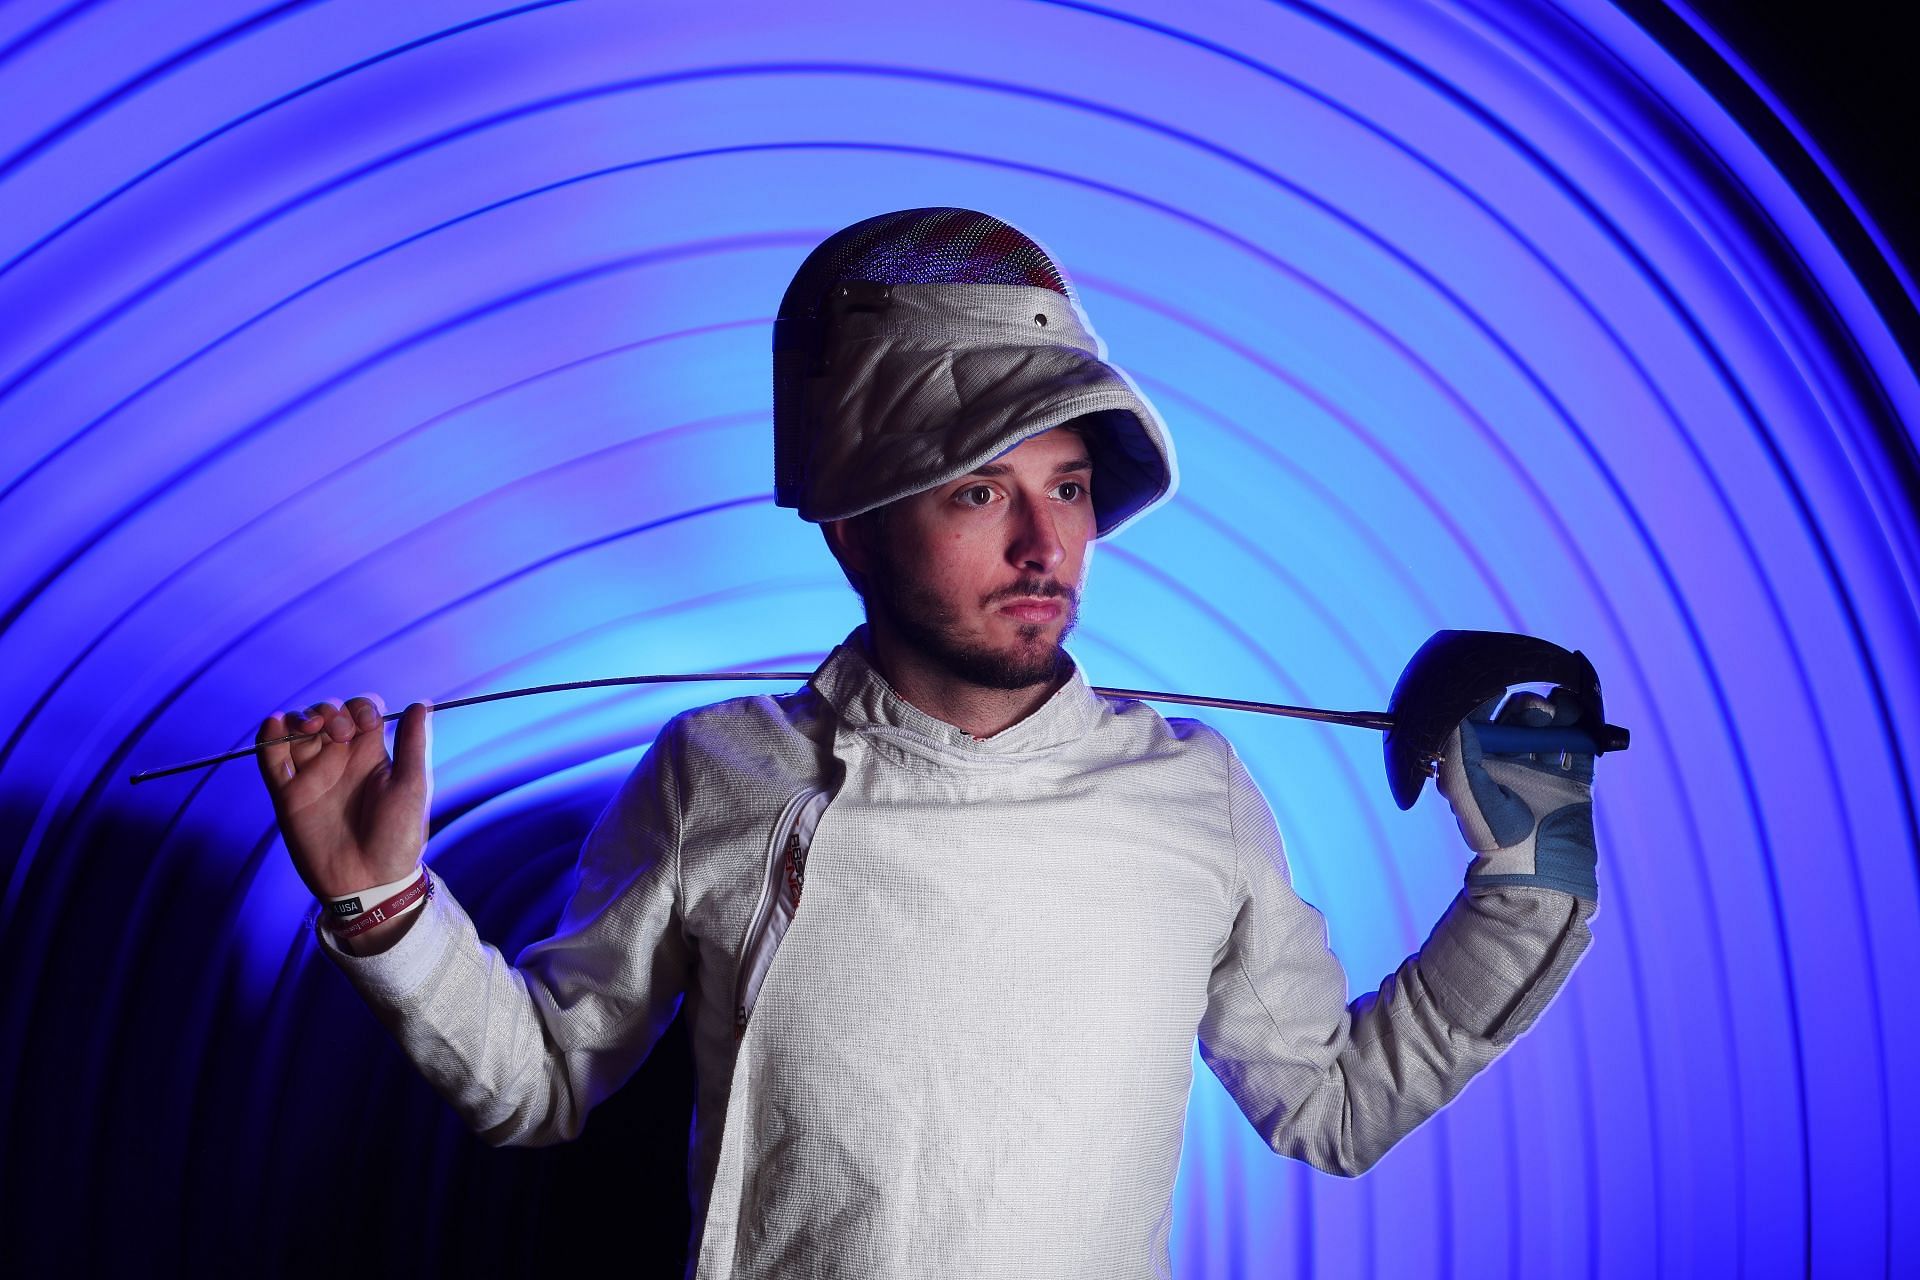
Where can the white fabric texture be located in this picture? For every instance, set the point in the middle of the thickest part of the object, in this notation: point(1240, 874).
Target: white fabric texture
point(971, 1053)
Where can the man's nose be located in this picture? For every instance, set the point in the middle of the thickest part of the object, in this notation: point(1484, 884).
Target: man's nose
point(1036, 544)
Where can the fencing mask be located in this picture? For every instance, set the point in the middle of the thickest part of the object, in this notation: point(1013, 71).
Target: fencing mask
point(914, 346)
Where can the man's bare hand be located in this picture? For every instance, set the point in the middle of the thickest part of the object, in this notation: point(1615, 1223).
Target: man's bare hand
point(352, 817)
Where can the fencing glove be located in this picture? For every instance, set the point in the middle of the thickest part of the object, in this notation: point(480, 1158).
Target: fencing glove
point(1528, 817)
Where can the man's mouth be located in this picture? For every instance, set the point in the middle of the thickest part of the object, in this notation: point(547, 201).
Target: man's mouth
point(1032, 609)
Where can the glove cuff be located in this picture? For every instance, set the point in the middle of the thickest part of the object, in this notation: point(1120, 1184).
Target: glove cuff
point(1564, 857)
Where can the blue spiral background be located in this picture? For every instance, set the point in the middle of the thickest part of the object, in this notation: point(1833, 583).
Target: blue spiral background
point(424, 349)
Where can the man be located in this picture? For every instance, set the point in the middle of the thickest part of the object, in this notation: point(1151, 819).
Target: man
point(945, 922)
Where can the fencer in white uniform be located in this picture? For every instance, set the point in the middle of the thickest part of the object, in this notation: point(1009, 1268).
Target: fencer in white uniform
point(943, 987)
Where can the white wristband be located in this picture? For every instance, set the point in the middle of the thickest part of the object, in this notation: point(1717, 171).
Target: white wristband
point(341, 910)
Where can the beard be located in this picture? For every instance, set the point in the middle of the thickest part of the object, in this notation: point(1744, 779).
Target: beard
point(926, 623)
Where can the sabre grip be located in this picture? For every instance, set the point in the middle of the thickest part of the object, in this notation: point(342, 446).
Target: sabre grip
point(1580, 738)
point(1517, 740)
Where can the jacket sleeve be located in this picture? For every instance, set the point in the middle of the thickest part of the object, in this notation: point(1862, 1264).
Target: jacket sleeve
point(523, 1051)
point(1336, 1084)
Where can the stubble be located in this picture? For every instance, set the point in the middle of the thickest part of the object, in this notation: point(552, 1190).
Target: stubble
point(926, 623)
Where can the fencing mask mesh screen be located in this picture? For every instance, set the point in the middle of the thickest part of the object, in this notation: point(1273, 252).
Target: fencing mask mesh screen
point(922, 246)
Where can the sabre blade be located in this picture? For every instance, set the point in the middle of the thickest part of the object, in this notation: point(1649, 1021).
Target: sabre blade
point(1358, 719)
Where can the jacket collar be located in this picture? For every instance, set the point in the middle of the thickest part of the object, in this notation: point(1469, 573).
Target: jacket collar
point(850, 684)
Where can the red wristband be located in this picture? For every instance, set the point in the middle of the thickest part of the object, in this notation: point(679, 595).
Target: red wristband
point(418, 891)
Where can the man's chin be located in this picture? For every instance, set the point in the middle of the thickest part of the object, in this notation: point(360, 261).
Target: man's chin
point(1021, 663)
point(1000, 669)
point(1013, 654)
point(1032, 657)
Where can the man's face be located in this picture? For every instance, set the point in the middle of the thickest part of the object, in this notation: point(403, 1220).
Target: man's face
point(982, 575)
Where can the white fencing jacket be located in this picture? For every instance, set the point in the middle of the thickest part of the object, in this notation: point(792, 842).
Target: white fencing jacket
point(971, 1053)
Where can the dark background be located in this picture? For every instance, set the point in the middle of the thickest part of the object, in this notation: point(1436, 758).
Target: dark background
point(1844, 73)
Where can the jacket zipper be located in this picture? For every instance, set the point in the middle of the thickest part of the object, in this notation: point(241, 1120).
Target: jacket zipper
point(783, 831)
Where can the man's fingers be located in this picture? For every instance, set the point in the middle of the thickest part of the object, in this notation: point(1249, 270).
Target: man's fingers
point(328, 721)
point(356, 723)
point(368, 737)
point(276, 762)
point(366, 710)
point(1527, 708)
point(340, 727)
point(1567, 707)
point(321, 720)
point(369, 746)
point(413, 747)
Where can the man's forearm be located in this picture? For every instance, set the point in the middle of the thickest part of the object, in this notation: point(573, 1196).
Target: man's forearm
point(1491, 964)
point(1499, 956)
point(467, 1020)
point(1494, 960)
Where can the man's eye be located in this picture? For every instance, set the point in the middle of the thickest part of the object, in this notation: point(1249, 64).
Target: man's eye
point(1072, 490)
point(978, 495)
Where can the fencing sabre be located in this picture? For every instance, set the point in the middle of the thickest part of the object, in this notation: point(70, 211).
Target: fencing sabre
point(1453, 673)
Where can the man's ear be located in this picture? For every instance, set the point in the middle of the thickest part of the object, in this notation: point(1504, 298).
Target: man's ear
point(847, 540)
